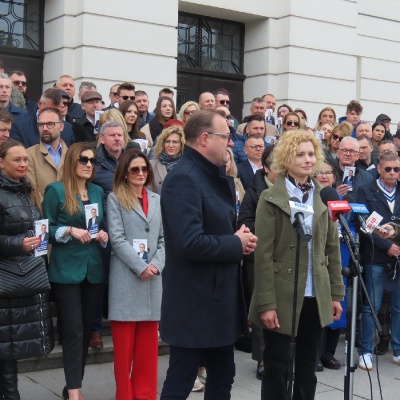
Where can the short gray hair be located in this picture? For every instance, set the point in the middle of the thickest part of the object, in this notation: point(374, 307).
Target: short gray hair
point(3, 75)
point(351, 140)
point(87, 85)
point(111, 124)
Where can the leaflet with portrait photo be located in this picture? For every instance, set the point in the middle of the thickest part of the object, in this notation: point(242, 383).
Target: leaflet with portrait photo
point(92, 219)
point(42, 232)
point(140, 247)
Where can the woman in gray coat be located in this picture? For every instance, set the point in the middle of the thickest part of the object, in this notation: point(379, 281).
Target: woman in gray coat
point(137, 259)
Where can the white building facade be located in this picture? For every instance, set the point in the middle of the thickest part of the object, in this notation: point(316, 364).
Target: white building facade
point(308, 53)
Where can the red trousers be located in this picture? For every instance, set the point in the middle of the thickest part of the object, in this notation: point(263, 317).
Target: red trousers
point(135, 359)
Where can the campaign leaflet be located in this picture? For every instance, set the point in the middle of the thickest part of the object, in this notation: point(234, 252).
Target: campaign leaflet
point(140, 246)
point(42, 232)
point(92, 219)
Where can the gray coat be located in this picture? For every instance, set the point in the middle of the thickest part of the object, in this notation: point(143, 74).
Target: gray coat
point(160, 172)
point(130, 298)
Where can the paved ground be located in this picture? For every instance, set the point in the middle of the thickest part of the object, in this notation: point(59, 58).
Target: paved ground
point(99, 381)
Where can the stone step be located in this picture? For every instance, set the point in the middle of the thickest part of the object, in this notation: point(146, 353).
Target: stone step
point(54, 359)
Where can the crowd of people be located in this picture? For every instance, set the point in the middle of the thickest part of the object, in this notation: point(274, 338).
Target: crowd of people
point(177, 221)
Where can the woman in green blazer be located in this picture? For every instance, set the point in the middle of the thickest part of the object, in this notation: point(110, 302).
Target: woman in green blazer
point(75, 268)
point(320, 286)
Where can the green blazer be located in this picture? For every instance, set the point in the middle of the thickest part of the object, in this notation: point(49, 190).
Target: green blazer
point(275, 257)
point(72, 262)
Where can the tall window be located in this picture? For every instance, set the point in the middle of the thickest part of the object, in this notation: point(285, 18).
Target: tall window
point(20, 24)
point(210, 45)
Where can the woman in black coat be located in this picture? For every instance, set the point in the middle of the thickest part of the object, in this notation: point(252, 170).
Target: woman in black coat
point(25, 322)
point(263, 179)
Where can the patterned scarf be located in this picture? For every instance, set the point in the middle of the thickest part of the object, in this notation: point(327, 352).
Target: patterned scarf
point(169, 161)
point(304, 187)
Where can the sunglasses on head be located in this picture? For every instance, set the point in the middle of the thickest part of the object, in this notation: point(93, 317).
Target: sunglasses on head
point(389, 169)
point(336, 137)
point(18, 83)
point(127, 98)
point(84, 160)
point(292, 123)
point(136, 170)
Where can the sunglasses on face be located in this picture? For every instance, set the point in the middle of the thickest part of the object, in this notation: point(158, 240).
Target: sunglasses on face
point(20, 83)
point(223, 102)
point(187, 112)
point(336, 137)
point(136, 170)
point(389, 169)
point(84, 160)
point(292, 123)
point(127, 98)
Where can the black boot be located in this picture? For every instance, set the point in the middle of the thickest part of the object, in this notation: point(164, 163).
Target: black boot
point(9, 380)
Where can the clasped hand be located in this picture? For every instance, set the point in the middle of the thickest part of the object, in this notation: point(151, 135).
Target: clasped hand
point(249, 241)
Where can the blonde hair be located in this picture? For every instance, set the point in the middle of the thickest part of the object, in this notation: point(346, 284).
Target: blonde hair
point(181, 114)
point(113, 115)
point(233, 169)
point(159, 146)
point(286, 149)
point(69, 178)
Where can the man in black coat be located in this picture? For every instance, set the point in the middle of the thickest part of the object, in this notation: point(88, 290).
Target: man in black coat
point(203, 310)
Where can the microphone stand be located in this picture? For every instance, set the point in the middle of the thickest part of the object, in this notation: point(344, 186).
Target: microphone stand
point(354, 277)
point(292, 352)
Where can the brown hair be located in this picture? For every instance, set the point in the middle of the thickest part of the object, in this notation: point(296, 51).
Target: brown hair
point(121, 188)
point(7, 145)
point(157, 110)
point(5, 116)
point(123, 108)
point(69, 179)
point(201, 121)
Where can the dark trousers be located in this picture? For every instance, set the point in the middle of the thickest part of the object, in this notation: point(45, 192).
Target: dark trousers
point(276, 357)
point(182, 372)
point(76, 305)
point(9, 380)
point(330, 341)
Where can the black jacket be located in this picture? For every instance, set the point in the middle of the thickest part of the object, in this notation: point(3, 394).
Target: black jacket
point(26, 328)
point(202, 273)
point(88, 128)
point(374, 200)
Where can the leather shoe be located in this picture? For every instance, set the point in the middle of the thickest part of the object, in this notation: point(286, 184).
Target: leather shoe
point(96, 341)
point(65, 394)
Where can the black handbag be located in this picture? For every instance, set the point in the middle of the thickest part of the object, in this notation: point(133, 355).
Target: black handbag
point(23, 276)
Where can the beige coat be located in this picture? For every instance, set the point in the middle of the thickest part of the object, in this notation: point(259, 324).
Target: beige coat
point(160, 172)
point(42, 170)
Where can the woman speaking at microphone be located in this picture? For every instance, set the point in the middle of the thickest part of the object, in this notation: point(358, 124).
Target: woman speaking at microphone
point(320, 284)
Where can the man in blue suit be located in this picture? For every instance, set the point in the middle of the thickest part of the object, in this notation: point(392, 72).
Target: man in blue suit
point(253, 147)
point(203, 310)
point(5, 95)
point(26, 131)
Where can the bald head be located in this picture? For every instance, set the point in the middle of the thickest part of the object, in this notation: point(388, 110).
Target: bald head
point(207, 100)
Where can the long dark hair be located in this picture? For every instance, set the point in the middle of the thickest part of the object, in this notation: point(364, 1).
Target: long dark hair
point(134, 133)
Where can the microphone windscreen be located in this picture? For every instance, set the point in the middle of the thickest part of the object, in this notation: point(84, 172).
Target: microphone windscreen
point(349, 198)
point(295, 199)
point(329, 194)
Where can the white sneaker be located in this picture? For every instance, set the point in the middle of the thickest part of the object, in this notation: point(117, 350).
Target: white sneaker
point(198, 386)
point(202, 375)
point(365, 361)
point(396, 360)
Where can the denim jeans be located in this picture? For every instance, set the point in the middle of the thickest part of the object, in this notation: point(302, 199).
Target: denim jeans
point(374, 276)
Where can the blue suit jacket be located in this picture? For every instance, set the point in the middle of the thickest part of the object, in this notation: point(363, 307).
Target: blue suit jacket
point(245, 174)
point(15, 111)
point(25, 130)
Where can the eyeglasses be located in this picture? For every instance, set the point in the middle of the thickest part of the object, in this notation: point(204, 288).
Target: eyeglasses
point(257, 147)
point(223, 102)
point(324, 173)
point(292, 123)
point(174, 142)
point(50, 125)
point(127, 98)
point(114, 93)
point(389, 169)
point(187, 112)
point(336, 137)
point(227, 136)
point(347, 151)
point(137, 170)
point(228, 116)
point(20, 83)
point(65, 103)
point(84, 160)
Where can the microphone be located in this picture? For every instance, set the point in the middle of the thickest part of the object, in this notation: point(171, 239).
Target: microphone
point(337, 208)
point(394, 218)
point(298, 213)
point(358, 210)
